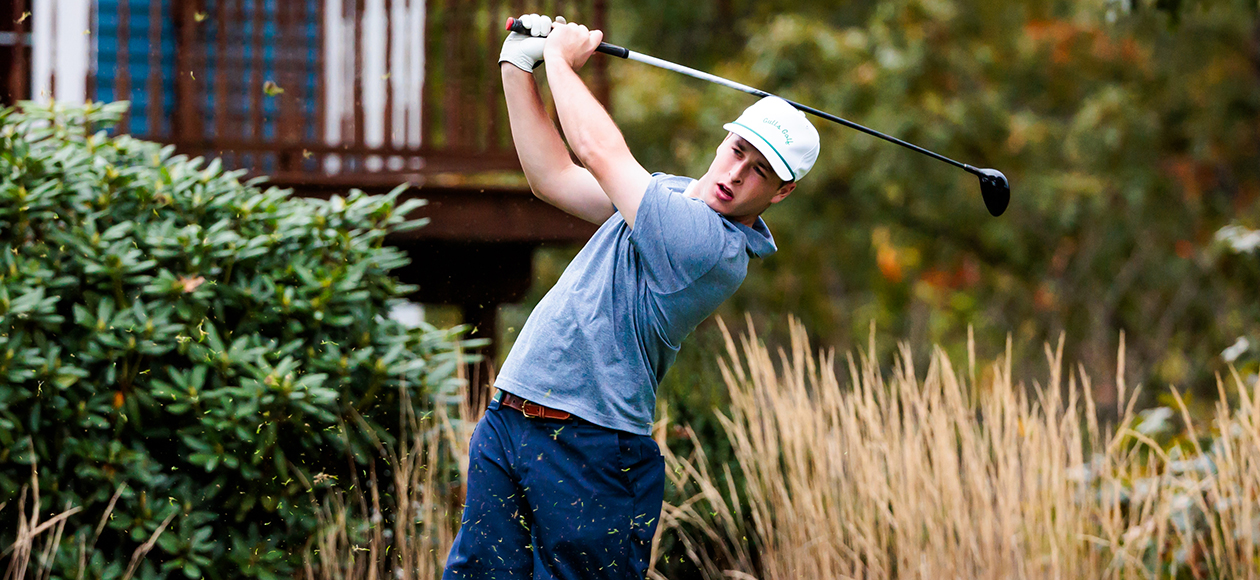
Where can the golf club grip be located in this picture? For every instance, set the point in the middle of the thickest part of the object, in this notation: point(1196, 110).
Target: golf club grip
point(514, 25)
point(613, 50)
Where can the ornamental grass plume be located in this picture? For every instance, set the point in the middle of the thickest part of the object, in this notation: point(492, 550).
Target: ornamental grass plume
point(949, 475)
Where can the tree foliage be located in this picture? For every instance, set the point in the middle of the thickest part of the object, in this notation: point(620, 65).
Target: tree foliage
point(1128, 131)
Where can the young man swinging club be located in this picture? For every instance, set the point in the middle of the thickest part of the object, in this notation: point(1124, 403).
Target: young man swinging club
point(564, 479)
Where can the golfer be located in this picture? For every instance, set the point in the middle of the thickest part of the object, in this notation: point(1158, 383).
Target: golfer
point(564, 479)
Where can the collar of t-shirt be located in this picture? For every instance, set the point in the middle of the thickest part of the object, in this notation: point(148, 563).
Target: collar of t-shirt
point(757, 237)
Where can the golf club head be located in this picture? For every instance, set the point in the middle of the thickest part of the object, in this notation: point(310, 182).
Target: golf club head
point(995, 189)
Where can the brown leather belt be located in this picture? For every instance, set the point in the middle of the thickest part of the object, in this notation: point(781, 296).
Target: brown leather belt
point(531, 409)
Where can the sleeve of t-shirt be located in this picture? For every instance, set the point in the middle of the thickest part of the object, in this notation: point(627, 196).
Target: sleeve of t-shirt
point(677, 239)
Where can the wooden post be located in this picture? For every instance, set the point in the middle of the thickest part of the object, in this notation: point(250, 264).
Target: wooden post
point(428, 96)
point(188, 124)
point(257, 67)
point(222, 66)
point(19, 73)
point(360, 60)
point(489, 85)
point(289, 58)
point(455, 28)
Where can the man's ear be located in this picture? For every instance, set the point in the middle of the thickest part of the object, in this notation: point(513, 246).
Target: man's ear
point(783, 192)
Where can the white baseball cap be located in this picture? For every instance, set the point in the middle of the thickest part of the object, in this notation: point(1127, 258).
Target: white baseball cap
point(781, 133)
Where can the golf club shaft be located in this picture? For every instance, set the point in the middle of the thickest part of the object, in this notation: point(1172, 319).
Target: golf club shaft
point(614, 50)
point(622, 52)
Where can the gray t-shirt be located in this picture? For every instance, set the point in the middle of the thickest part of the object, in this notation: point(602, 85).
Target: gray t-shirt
point(600, 341)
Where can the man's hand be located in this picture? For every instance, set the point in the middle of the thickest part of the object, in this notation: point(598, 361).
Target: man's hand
point(571, 44)
point(525, 51)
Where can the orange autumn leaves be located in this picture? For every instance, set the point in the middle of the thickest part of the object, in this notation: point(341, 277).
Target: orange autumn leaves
point(894, 261)
point(1065, 40)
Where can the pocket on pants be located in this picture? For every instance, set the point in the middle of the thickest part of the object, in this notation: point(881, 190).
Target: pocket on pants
point(643, 468)
point(638, 456)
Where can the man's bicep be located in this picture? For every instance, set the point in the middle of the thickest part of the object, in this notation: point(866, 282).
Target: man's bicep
point(623, 180)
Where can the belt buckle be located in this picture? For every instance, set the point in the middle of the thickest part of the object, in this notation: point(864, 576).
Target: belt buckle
point(525, 410)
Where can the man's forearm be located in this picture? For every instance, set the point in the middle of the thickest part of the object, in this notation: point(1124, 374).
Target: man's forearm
point(587, 126)
point(596, 140)
point(552, 175)
point(538, 144)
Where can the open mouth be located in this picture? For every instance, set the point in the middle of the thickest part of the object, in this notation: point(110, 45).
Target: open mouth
point(724, 193)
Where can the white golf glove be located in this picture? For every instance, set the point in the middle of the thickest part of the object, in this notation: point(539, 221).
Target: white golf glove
point(525, 51)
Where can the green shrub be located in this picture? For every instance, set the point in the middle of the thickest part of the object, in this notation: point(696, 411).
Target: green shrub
point(195, 341)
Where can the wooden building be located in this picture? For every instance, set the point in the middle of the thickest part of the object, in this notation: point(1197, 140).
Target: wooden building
point(323, 96)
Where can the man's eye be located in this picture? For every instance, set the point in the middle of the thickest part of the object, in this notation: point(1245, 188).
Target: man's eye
point(738, 152)
point(760, 172)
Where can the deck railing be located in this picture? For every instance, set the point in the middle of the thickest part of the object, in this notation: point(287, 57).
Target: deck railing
point(306, 90)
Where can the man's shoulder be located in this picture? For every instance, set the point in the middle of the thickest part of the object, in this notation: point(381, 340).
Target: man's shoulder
point(670, 210)
point(671, 183)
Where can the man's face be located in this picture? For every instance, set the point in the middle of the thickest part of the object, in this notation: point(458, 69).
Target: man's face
point(740, 183)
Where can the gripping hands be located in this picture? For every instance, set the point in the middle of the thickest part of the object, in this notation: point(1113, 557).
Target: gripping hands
point(525, 51)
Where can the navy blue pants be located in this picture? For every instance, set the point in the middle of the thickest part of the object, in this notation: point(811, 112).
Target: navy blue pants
point(557, 499)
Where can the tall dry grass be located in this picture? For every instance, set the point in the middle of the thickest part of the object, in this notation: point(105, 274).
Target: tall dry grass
point(947, 474)
point(37, 540)
point(31, 542)
point(401, 528)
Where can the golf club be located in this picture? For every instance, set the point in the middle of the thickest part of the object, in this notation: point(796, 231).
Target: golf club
point(994, 187)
